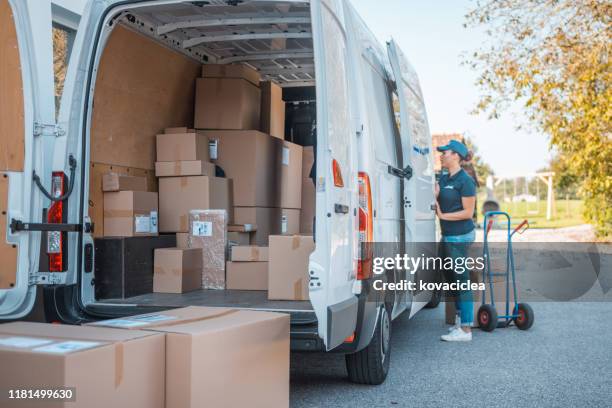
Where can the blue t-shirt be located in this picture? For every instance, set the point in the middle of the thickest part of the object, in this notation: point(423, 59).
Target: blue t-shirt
point(449, 199)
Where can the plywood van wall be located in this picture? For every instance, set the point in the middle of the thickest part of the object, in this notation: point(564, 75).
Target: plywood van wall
point(141, 88)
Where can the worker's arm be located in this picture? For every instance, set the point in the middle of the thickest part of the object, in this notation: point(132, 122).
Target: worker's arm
point(467, 213)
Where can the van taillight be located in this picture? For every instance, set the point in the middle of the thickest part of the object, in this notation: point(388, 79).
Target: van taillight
point(338, 181)
point(55, 215)
point(366, 235)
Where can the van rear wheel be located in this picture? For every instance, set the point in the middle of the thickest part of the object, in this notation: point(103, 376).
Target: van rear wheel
point(371, 365)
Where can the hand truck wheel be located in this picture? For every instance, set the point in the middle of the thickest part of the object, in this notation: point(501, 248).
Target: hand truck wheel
point(487, 318)
point(525, 317)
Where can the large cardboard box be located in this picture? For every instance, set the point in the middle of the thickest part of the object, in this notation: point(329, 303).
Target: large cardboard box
point(179, 195)
point(122, 182)
point(182, 147)
point(288, 267)
point(130, 214)
point(177, 270)
point(124, 265)
point(226, 103)
point(210, 349)
point(307, 212)
point(253, 161)
point(307, 161)
point(208, 230)
point(250, 253)
point(236, 71)
point(291, 176)
point(268, 221)
point(103, 367)
point(290, 221)
point(272, 110)
point(184, 168)
point(247, 275)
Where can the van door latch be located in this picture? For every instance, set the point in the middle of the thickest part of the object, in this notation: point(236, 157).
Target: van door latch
point(17, 225)
point(48, 129)
point(406, 172)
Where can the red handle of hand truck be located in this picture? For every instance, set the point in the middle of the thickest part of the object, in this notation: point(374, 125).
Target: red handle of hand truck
point(520, 228)
point(489, 225)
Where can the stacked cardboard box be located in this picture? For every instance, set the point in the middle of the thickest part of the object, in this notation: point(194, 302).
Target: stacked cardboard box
point(103, 367)
point(208, 348)
point(208, 231)
point(187, 180)
point(248, 268)
point(272, 110)
point(177, 270)
point(288, 267)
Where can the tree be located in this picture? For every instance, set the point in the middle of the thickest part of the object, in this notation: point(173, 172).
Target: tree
point(552, 57)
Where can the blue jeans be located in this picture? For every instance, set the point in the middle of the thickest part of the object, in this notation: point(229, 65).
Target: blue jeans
point(457, 246)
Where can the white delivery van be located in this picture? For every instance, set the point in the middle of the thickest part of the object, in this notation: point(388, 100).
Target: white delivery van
point(362, 100)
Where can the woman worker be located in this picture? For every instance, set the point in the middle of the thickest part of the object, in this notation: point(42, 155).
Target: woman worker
point(456, 198)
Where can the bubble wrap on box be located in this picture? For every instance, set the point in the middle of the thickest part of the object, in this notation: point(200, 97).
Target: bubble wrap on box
point(208, 230)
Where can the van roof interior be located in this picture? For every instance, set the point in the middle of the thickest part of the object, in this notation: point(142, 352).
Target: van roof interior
point(273, 37)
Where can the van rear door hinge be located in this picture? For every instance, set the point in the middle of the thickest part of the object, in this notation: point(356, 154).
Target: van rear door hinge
point(48, 129)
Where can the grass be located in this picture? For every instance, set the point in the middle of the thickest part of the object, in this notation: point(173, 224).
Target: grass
point(565, 213)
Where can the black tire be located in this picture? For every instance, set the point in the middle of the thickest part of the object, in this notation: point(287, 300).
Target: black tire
point(487, 318)
point(436, 297)
point(525, 318)
point(371, 365)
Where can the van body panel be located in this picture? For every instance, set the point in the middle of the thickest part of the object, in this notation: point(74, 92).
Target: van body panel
point(26, 27)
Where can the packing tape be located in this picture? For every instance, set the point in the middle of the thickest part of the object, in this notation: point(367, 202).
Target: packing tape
point(118, 364)
point(183, 223)
point(295, 242)
point(297, 289)
point(118, 213)
point(177, 168)
point(184, 182)
point(254, 253)
point(192, 319)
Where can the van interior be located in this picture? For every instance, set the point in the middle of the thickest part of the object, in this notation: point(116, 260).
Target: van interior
point(145, 82)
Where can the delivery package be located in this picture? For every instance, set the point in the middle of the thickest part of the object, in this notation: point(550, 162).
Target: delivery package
point(253, 161)
point(173, 147)
point(210, 349)
point(121, 182)
point(291, 176)
point(178, 195)
point(130, 214)
point(288, 258)
point(250, 253)
point(100, 367)
point(177, 270)
point(272, 118)
point(184, 168)
point(226, 103)
point(232, 71)
point(208, 230)
point(247, 275)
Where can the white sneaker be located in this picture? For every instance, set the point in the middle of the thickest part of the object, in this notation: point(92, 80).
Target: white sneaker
point(457, 335)
point(457, 324)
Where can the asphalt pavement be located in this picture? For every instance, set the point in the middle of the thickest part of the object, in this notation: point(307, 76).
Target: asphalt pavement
point(564, 360)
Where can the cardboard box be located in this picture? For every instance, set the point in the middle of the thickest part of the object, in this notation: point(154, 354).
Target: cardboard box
point(207, 230)
point(208, 349)
point(104, 367)
point(121, 182)
point(177, 270)
point(272, 118)
point(124, 266)
point(184, 168)
point(290, 221)
point(182, 240)
point(291, 176)
point(268, 221)
point(249, 254)
point(253, 161)
point(288, 267)
point(307, 212)
point(223, 103)
point(247, 275)
point(236, 71)
point(178, 195)
point(182, 147)
point(239, 238)
point(307, 161)
point(130, 214)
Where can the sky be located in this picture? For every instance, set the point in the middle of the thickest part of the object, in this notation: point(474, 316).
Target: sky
point(431, 35)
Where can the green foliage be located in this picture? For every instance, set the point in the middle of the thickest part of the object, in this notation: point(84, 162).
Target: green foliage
point(552, 56)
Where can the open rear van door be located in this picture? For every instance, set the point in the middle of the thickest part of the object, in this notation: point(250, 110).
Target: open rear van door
point(416, 148)
point(333, 264)
point(27, 133)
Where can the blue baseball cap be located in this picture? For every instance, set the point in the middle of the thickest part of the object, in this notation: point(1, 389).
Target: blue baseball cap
point(457, 147)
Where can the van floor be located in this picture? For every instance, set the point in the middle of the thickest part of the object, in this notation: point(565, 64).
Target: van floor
point(242, 299)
